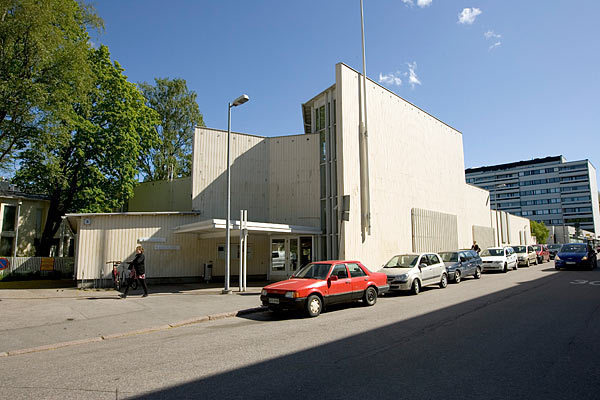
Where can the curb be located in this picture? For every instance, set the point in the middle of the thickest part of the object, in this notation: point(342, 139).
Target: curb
point(187, 322)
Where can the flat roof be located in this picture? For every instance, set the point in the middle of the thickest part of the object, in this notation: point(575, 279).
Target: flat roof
point(514, 164)
point(216, 227)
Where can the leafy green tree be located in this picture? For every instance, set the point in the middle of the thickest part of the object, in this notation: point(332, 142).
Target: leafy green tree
point(179, 114)
point(87, 161)
point(539, 230)
point(43, 65)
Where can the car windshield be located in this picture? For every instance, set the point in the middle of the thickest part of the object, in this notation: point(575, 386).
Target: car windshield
point(520, 249)
point(554, 246)
point(492, 252)
point(449, 256)
point(537, 248)
point(402, 261)
point(573, 248)
point(313, 271)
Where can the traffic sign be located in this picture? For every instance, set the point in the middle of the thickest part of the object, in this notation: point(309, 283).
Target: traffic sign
point(4, 263)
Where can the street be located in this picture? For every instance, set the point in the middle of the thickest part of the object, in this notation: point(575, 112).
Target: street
point(530, 333)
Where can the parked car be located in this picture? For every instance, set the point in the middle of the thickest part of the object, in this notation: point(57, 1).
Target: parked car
point(499, 259)
point(462, 263)
point(542, 253)
point(553, 249)
point(576, 255)
point(413, 271)
point(526, 255)
point(319, 284)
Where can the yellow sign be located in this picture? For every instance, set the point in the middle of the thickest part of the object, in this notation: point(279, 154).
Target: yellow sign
point(47, 264)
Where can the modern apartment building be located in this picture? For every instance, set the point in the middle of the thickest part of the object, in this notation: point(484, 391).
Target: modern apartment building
point(549, 190)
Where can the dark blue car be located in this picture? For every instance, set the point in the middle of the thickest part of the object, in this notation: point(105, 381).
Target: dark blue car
point(576, 255)
point(462, 263)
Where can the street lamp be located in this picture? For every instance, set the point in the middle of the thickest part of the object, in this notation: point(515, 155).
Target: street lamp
point(237, 102)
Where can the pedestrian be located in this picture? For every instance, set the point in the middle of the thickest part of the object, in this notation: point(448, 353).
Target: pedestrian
point(475, 247)
point(140, 271)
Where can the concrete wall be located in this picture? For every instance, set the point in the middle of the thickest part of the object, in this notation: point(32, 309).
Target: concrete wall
point(276, 179)
point(175, 195)
point(416, 161)
point(115, 237)
point(595, 204)
point(28, 222)
point(511, 229)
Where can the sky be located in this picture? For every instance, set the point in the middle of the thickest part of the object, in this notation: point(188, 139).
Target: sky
point(519, 79)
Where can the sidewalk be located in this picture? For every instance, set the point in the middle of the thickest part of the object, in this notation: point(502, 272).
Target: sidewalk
point(44, 317)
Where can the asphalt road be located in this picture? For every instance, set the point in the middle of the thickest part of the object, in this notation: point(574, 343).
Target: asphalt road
point(528, 334)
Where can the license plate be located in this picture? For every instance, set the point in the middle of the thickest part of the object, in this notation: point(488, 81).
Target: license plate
point(273, 301)
point(571, 262)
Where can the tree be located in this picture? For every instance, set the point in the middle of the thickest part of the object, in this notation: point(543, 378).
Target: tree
point(179, 114)
point(43, 65)
point(88, 159)
point(539, 230)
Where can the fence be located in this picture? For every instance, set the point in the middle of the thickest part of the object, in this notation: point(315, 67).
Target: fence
point(31, 267)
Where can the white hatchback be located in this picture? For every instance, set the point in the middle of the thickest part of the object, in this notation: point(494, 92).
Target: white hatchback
point(499, 259)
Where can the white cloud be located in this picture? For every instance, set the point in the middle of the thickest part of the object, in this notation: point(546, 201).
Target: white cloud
point(468, 15)
point(492, 34)
point(412, 76)
point(420, 3)
point(390, 79)
point(492, 47)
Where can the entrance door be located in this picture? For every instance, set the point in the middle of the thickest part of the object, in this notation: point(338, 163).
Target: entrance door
point(288, 254)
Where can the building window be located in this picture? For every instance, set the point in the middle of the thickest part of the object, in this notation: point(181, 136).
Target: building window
point(6, 246)
point(8, 218)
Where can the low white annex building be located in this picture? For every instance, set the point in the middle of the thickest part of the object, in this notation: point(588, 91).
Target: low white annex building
point(305, 197)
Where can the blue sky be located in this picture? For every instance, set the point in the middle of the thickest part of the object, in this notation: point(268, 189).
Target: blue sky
point(519, 79)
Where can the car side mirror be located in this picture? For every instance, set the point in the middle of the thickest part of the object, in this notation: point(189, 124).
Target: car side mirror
point(422, 265)
point(462, 259)
point(333, 278)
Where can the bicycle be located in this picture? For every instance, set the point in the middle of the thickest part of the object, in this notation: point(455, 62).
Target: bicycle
point(120, 278)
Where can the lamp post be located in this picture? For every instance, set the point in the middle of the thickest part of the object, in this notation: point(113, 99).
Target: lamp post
point(239, 101)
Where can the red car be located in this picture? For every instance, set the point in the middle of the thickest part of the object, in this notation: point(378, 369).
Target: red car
point(542, 253)
point(322, 283)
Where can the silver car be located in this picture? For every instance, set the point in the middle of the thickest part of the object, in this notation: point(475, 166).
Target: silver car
point(526, 255)
point(413, 271)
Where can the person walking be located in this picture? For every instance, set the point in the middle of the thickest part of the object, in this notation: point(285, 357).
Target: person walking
point(475, 247)
point(140, 271)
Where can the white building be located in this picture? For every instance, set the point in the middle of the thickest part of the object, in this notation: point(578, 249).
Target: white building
point(304, 195)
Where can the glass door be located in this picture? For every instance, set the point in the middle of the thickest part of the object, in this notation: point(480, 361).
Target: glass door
point(288, 254)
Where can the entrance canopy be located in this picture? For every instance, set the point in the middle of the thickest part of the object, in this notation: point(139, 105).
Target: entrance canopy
point(216, 228)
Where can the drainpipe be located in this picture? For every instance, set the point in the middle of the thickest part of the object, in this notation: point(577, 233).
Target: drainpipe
point(365, 200)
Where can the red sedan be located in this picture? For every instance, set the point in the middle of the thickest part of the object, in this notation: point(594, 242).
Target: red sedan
point(322, 283)
point(542, 253)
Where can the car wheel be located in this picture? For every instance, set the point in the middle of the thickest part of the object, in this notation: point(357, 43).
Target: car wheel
point(314, 305)
point(556, 267)
point(528, 263)
point(516, 265)
point(370, 296)
point(505, 269)
point(536, 261)
point(457, 276)
point(477, 273)
point(416, 287)
point(444, 281)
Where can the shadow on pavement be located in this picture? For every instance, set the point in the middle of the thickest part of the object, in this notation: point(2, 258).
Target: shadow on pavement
point(538, 339)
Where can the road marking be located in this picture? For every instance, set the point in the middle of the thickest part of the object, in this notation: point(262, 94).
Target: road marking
point(584, 282)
